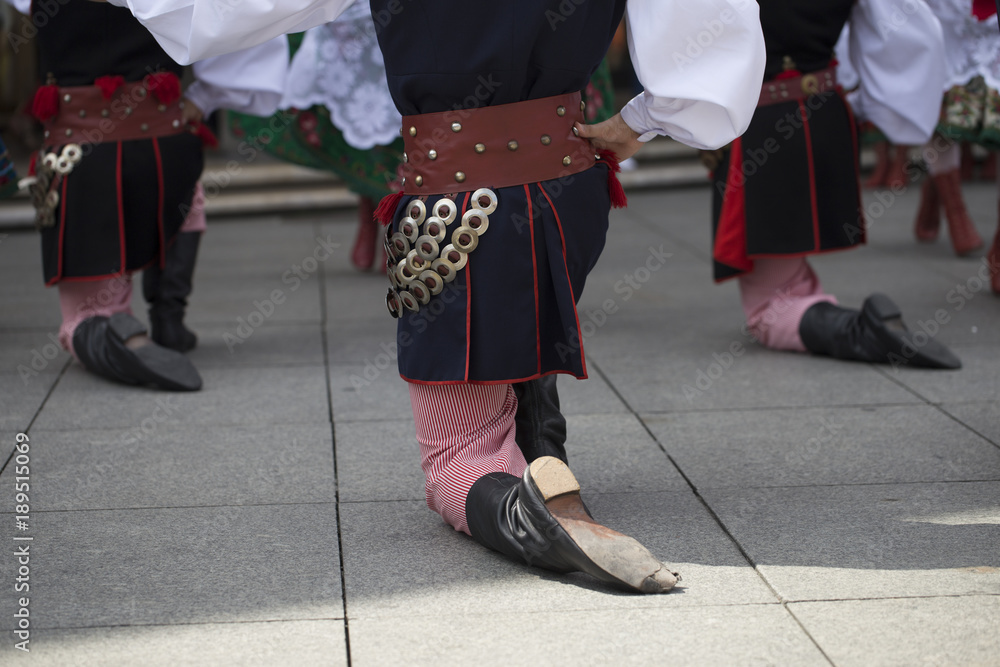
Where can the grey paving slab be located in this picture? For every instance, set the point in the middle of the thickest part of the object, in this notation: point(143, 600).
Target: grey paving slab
point(378, 460)
point(821, 446)
point(180, 466)
point(32, 353)
point(251, 644)
point(846, 542)
point(179, 566)
point(372, 390)
point(756, 378)
point(593, 396)
point(21, 396)
point(962, 630)
point(264, 295)
point(444, 570)
point(743, 635)
point(367, 341)
point(977, 380)
point(983, 417)
point(271, 344)
point(230, 396)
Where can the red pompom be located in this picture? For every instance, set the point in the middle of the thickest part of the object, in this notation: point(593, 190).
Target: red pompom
point(208, 138)
point(615, 189)
point(109, 84)
point(165, 86)
point(45, 104)
point(387, 207)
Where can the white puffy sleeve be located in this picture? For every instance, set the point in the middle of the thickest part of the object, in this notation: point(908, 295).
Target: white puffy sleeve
point(701, 64)
point(190, 30)
point(897, 49)
point(23, 6)
point(250, 81)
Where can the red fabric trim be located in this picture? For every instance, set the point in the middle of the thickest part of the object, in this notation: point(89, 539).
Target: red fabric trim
point(862, 223)
point(89, 279)
point(730, 246)
point(159, 203)
point(62, 233)
point(121, 205)
point(576, 315)
point(491, 382)
point(812, 174)
point(804, 253)
point(534, 273)
point(468, 296)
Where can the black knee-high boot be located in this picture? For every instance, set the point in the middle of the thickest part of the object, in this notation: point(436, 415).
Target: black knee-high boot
point(167, 289)
point(876, 333)
point(540, 520)
point(99, 344)
point(540, 428)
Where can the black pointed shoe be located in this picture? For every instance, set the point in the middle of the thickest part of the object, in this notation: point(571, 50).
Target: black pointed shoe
point(99, 343)
point(167, 289)
point(876, 334)
point(540, 520)
point(540, 428)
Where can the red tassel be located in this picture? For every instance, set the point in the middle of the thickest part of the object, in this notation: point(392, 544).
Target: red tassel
point(387, 207)
point(109, 84)
point(208, 138)
point(615, 189)
point(33, 165)
point(165, 86)
point(45, 104)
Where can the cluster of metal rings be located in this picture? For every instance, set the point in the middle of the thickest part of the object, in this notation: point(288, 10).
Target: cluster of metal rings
point(64, 162)
point(423, 257)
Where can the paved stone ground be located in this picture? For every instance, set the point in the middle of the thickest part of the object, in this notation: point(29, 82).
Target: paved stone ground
point(820, 512)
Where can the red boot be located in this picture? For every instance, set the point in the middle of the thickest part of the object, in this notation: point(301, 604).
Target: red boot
point(878, 176)
point(968, 165)
point(895, 177)
point(964, 237)
point(928, 222)
point(988, 172)
point(363, 254)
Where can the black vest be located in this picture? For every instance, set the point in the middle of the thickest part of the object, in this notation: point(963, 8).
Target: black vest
point(85, 40)
point(459, 54)
point(806, 32)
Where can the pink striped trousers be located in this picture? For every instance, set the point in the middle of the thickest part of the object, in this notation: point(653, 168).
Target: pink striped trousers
point(775, 295)
point(465, 431)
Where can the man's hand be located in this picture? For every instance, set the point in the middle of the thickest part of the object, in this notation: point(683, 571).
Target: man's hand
point(614, 135)
point(191, 114)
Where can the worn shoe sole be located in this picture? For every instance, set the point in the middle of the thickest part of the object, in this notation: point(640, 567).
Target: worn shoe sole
point(886, 322)
point(153, 364)
point(615, 558)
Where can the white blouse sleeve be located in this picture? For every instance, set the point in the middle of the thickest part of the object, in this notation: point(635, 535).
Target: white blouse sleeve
point(897, 48)
point(701, 63)
point(23, 6)
point(190, 30)
point(250, 81)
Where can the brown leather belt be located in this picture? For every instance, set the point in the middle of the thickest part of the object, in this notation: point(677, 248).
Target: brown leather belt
point(85, 116)
point(494, 147)
point(776, 91)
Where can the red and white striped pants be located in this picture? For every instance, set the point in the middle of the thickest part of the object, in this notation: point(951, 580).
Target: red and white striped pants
point(465, 431)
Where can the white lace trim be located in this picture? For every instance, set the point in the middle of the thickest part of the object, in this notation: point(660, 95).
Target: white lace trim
point(339, 66)
point(971, 47)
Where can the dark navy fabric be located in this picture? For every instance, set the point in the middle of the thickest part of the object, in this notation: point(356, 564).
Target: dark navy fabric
point(85, 40)
point(548, 235)
point(79, 43)
point(799, 159)
point(488, 325)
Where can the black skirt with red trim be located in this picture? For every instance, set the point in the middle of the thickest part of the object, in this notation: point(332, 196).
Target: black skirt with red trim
point(789, 186)
point(510, 314)
point(120, 207)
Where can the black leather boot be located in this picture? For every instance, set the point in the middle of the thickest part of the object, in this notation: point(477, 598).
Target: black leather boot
point(540, 428)
point(167, 289)
point(876, 333)
point(540, 520)
point(99, 343)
